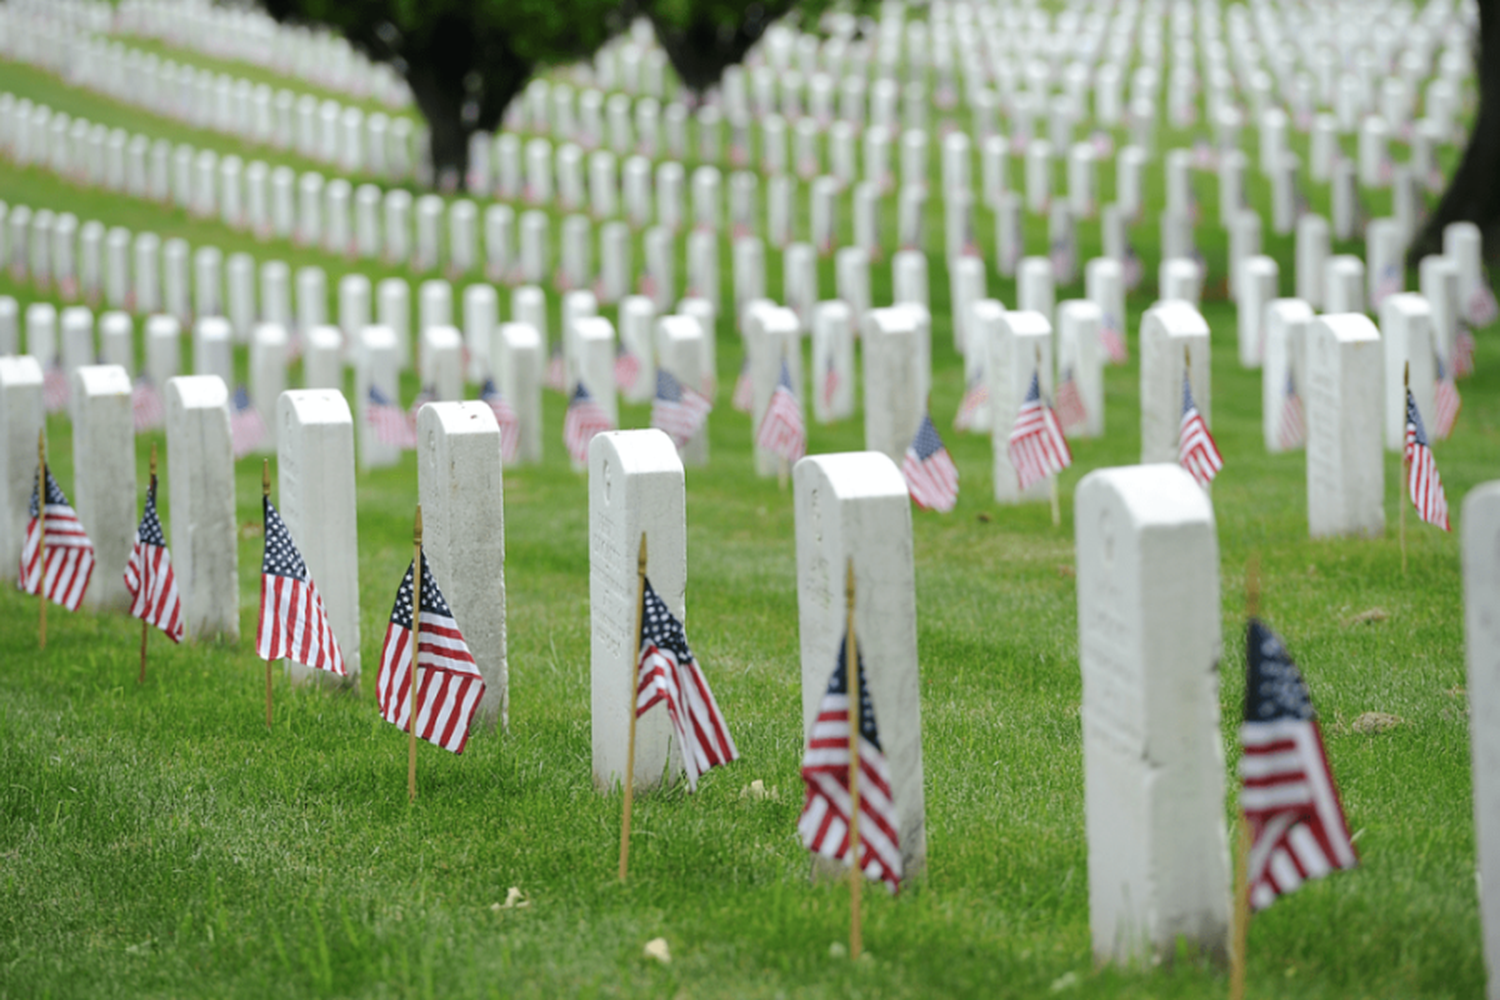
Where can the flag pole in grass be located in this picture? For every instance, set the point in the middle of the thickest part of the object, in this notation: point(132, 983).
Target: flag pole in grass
point(1405, 469)
point(1051, 479)
point(265, 494)
point(41, 536)
point(635, 683)
point(146, 625)
point(1239, 948)
point(416, 664)
point(856, 874)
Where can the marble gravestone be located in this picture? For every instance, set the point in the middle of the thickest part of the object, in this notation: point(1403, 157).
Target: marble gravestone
point(1284, 338)
point(1018, 344)
point(1480, 548)
point(1344, 400)
point(893, 404)
point(1406, 334)
point(205, 535)
point(21, 420)
point(1173, 334)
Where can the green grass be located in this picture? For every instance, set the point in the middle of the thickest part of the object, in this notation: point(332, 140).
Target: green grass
point(158, 841)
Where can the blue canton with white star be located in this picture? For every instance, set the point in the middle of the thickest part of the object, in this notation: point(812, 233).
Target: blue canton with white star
point(282, 557)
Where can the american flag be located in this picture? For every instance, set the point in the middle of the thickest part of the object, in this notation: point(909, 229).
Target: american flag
point(1037, 447)
point(425, 396)
point(247, 431)
point(1103, 143)
point(1289, 797)
point(293, 623)
point(831, 381)
point(510, 425)
point(677, 410)
point(781, 430)
point(557, 369)
point(1063, 261)
point(1131, 268)
point(1422, 481)
point(669, 673)
point(55, 389)
point(62, 571)
point(585, 419)
point(146, 405)
point(627, 367)
point(824, 823)
point(390, 423)
point(1292, 430)
point(1196, 450)
point(976, 398)
point(149, 577)
point(1463, 353)
point(451, 686)
point(1113, 338)
point(1481, 308)
point(1388, 284)
point(931, 476)
point(743, 399)
point(1071, 412)
point(1446, 402)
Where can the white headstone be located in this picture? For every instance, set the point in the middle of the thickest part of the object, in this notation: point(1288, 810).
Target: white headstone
point(1406, 332)
point(393, 311)
point(772, 338)
point(894, 404)
point(1019, 344)
point(1438, 279)
point(1257, 286)
point(681, 341)
point(1080, 352)
point(637, 336)
point(1035, 286)
point(519, 355)
point(1343, 285)
point(205, 534)
point(1172, 333)
point(1283, 369)
point(213, 349)
point(378, 367)
point(323, 358)
point(1345, 462)
point(1481, 569)
point(1312, 254)
point(442, 362)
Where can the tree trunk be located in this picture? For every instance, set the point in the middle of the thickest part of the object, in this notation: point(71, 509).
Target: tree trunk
point(702, 51)
point(1473, 194)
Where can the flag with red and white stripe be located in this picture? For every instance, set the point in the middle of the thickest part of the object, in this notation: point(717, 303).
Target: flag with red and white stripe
point(1071, 412)
point(678, 410)
point(55, 389)
point(669, 674)
point(931, 476)
point(146, 405)
point(976, 399)
point(1196, 450)
point(449, 686)
point(1481, 309)
point(627, 368)
point(584, 419)
point(781, 430)
point(388, 421)
point(1290, 800)
point(149, 577)
point(247, 430)
point(1036, 446)
point(1113, 339)
point(743, 398)
point(505, 416)
point(1423, 484)
point(293, 623)
point(824, 824)
point(1446, 402)
point(1291, 429)
point(59, 560)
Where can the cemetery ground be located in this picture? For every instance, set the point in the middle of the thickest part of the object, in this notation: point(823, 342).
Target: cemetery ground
point(157, 840)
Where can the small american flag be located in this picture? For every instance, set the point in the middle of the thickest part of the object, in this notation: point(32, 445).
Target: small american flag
point(1196, 450)
point(931, 476)
point(781, 430)
point(743, 399)
point(824, 824)
point(388, 420)
point(1071, 412)
point(1037, 447)
point(247, 431)
point(451, 686)
point(55, 389)
point(585, 419)
point(146, 406)
point(1205, 157)
point(976, 398)
point(831, 381)
point(669, 673)
point(1113, 337)
point(1446, 402)
point(60, 564)
point(677, 410)
point(1103, 143)
point(510, 425)
point(1131, 268)
point(1422, 481)
point(1482, 308)
point(627, 368)
point(1298, 830)
point(557, 370)
point(1388, 284)
point(149, 577)
point(1292, 430)
point(1463, 353)
point(293, 623)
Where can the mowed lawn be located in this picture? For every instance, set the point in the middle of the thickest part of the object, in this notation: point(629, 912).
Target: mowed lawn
point(156, 840)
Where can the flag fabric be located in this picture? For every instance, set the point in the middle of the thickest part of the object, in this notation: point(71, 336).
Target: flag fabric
point(247, 431)
point(743, 399)
point(1297, 825)
point(1132, 270)
point(627, 367)
point(557, 369)
point(1463, 352)
point(931, 476)
point(585, 419)
point(678, 410)
point(62, 571)
point(1446, 403)
point(510, 424)
point(1063, 257)
point(1291, 430)
point(1423, 483)
point(976, 398)
point(669, 674)
point(55, 389)
point(1037, 447)
point(293, 623)
point(1070, 409)
point(1196, 450)
point(149, 577)
point(824, 824)
point(831, 381)
point(1388, 284)
point(1481, 309)
point(146, 405)
point(1113, 339)
point(427, 395)
point(451, 686)
point(389, 421)
point(781, 430)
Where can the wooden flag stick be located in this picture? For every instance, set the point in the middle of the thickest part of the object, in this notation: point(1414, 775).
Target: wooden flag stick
point(416, 660)
point(145, 625)
point(1239, 947)
point(851, 683)
point(1405, 469)
point(41, 537)
point(635, 681)
point(265, 495)
point(782, 472)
